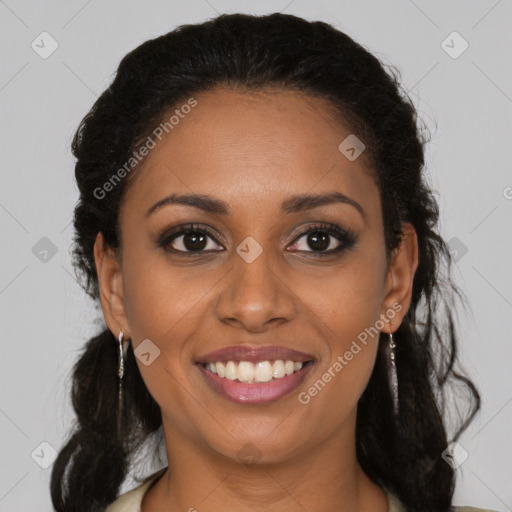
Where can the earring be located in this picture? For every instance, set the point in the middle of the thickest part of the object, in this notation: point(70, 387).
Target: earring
point(393, 379)
point(120, 373)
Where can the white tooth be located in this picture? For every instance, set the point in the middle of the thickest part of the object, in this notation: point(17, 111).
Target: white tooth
point(289, 367)
point(263, 371)
point(245, 371)
point(231, 372)
point(220, 369)
point(278, 369)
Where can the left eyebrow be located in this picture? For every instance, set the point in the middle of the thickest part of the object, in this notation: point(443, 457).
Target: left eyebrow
point(303, 202)
point(293, 204)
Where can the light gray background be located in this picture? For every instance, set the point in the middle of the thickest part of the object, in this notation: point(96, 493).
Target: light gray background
point(46, 318)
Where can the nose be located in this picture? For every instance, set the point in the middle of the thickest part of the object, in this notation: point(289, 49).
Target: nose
point(255, 295)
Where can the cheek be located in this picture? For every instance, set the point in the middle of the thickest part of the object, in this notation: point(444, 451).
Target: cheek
point(163, 307)
point(348, 305)
point(158, 299)
point(351, 345)
point(357, 320)
point(348, 297)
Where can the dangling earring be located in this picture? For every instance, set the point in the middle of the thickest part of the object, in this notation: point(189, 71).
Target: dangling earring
point(393, 379)
point(120, 373)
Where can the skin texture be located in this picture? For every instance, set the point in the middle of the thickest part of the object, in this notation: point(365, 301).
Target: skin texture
point(253, 151)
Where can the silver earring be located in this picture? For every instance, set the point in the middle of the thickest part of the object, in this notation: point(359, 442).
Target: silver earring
point(393, 379)
point(120, 371)
point(120, 374)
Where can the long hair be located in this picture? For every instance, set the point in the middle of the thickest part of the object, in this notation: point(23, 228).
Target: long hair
point(252, 53)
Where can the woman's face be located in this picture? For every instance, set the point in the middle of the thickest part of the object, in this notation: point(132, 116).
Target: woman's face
point(255, 278)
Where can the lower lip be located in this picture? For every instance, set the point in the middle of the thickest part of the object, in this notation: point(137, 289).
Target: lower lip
point(256, 392)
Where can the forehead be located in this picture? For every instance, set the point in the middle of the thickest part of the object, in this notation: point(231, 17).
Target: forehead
point(251, 146)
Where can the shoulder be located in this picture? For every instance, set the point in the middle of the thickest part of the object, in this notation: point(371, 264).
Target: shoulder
point(396, 506)
point(471, 509)
point(130, 501)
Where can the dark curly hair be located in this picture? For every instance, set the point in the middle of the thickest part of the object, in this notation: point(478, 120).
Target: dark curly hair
point(255, 53)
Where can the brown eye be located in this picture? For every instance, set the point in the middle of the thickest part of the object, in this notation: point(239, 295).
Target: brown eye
point(194, 241)
point(324, 239)
point(189, 240)
point(319, 241)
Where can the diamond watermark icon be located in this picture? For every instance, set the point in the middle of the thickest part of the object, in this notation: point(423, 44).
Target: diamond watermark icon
point(44, 45)
point(44, 250)
point(454, 45)
point(146, 352)
point(457, 249)
point(44, 455)
point(249, 249)
point(249, 454)
point(351, 147)
point(455, 455)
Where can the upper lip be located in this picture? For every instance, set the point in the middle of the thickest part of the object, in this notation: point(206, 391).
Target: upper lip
point(254, 354)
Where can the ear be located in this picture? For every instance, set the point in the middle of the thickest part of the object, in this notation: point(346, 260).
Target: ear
point(399, 279)
point(110, 281)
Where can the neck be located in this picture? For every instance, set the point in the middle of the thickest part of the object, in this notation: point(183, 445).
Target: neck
point(327, 477)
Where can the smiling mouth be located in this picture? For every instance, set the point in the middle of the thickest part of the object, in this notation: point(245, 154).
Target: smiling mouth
point(247, 383)
point(259, 372)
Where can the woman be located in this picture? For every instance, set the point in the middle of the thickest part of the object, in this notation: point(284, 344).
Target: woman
point(254, 220)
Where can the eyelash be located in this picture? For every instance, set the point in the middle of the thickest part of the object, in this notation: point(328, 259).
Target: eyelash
point(346, 238)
